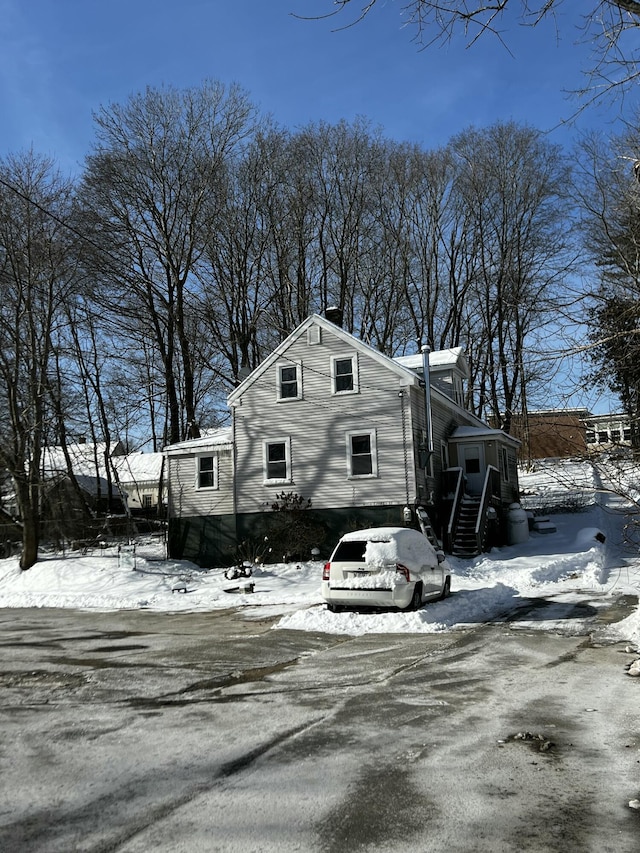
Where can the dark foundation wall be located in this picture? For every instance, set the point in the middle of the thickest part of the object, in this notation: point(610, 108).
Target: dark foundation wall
point(271, 537)
point(208, 541)
point(294, 537)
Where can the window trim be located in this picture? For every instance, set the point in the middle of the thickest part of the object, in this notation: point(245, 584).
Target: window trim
point(373, 449)
point(505, 464)
point(353, 357)
point(287, 479)
point(444, 455)
point(214, 471)
point(283, 365)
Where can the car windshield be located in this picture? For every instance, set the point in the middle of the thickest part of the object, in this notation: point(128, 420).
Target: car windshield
point(352, 551)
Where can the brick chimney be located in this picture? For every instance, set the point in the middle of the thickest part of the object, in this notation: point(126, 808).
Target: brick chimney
point(334, 315)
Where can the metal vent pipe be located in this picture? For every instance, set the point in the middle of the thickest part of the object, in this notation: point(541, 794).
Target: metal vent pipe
point(427, 397)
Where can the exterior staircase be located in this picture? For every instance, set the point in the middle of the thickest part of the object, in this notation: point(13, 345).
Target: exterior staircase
point(427, 529)
point(465, 541)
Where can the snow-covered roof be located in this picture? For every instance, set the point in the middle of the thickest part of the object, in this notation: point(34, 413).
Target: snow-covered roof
point(83, 459)
point(218, 438)
point(88, 464)
point(466, 433)
point(439, 360)
point(138, 467)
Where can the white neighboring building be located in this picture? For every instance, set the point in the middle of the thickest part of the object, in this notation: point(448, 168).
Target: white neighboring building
point(607, 431)
point(139, 478)
point(136, 478)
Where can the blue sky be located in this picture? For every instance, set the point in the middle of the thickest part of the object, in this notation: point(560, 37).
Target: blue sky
point(62, 59)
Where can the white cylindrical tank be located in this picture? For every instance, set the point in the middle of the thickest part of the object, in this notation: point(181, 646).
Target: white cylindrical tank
point(517, 525)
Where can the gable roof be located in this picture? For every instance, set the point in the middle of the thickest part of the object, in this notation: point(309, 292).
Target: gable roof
point(404, 374)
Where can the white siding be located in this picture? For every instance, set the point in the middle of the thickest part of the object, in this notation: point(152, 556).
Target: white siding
point(185, 499)
point(317, 425)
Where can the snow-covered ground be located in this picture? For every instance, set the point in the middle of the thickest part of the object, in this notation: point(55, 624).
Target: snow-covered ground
point(568, 564)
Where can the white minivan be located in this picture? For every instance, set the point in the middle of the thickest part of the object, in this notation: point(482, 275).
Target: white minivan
point(385, 567)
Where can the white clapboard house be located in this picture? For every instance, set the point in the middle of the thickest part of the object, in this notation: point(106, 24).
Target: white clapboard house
point(361, 436)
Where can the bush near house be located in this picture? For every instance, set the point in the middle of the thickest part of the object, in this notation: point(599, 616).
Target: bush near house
point(291, 531)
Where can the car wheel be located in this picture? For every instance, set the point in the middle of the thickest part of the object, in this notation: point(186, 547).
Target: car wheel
point(416, 598)
point(446, 590)
point(333, 608)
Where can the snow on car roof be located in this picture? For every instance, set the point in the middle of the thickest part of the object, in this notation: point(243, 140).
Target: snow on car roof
point(373, 534)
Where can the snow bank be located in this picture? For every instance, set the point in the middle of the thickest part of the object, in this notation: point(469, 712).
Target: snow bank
point(584, 558)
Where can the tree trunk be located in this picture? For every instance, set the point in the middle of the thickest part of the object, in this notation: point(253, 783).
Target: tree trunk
point(30, 527)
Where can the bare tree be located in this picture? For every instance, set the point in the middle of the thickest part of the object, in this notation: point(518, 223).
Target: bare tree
point(294, 219)
point(236, 268)
point(149, 194)
point(516, 185)
point(439, 256)
point(342, 162)
point(37, 276)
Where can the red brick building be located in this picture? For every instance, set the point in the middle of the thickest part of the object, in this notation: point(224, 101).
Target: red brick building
point(569, 432)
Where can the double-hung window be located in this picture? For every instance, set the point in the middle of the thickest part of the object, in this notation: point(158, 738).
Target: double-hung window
point(344, 374)
point(289, 381)
point(277, 461)
point(361, 454)
point(207, 472)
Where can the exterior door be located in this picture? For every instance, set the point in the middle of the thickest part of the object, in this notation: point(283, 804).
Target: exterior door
point(473, 467)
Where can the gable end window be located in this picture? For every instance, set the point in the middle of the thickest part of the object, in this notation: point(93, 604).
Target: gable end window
point(344, 374)
point(207, 472)
point(361, 454)
point(289, 382)
point(277, 461)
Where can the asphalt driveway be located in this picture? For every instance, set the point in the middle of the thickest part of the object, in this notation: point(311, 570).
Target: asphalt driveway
point(134, 731)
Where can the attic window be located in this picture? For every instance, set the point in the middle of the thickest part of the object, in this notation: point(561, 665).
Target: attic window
point(344, 374)
point(289, 382)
